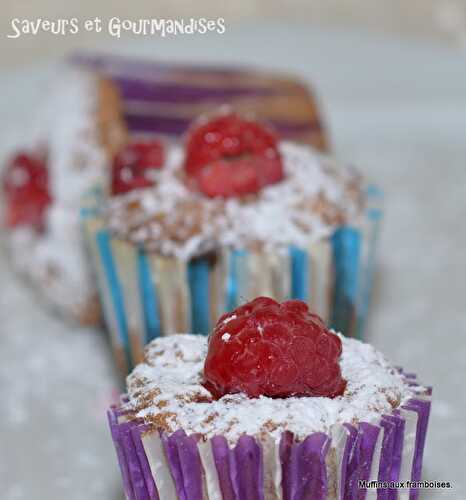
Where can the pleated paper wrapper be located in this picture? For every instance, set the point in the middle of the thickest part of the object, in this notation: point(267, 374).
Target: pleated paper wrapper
point(145, 295)
point(160, 466)
point(159, 98)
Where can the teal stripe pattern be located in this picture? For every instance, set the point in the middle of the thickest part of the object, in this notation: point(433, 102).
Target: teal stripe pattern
point(116, 293)
point(346, 249)
point(90, 203)
point(232, 285)
point(149, 298)
point(300, 273)
point(374, 215)
point(88, 212)
point(198, 278)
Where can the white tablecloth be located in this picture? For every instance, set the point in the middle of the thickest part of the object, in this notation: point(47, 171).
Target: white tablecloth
point(396, 109)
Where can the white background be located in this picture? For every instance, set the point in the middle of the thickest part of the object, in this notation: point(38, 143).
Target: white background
point(395, 108)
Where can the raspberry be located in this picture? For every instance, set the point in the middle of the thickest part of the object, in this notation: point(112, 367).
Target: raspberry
point(131, 165)
point(25, 184)
point(219, 179)
point(229, 142)
point(272, 349)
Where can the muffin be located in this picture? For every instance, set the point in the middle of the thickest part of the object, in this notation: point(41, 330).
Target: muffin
point(234, 213)
point(79, 131)
point(91, 107)
point(272, 405)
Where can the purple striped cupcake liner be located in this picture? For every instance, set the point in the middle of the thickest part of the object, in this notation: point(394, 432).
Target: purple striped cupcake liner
point(160, 466)
point(164, 98)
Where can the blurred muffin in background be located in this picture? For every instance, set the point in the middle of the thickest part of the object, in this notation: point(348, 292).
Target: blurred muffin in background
point(80, 131)
point(194, 229)
point(94, 105)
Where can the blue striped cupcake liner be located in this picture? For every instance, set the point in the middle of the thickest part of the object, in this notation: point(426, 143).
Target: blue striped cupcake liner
point(145, 295)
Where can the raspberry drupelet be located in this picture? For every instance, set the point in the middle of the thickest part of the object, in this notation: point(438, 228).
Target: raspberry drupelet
point(231, 156)
point(131, 165)
point(265, 348)
point(25, 183)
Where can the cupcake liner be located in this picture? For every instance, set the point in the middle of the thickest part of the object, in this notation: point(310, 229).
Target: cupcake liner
point(156, 465)
point(303, 467)
point(162, 98)
point(145, 295)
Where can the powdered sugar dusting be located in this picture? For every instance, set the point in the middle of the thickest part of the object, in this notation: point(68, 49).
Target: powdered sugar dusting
point(168, 386)
point(76, 161)
point(315, 196)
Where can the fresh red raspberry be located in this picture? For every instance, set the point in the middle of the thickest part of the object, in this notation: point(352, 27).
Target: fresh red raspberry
point(219, 179)
point(231, 142)
point(131, 165)
point(25, 183)
point(272, 349)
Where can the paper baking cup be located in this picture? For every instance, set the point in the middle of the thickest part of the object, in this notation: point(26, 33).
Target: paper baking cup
point(159, 466)
point(145, 295)
point(162, 98)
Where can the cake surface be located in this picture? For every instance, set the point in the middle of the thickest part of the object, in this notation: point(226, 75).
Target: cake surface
point(166, 391)
point(170, 218)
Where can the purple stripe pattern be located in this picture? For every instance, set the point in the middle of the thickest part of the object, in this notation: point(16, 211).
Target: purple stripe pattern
point(308, 468)
point(144, 463)
point(304, 465)
point(112, 64)
point(394, 469)
point(240, 470)
point(350, 463)
point(136, 475)
point(388, 444)
point(173, 85)
point(185, 464)
point(422, 408)
point(249, 469)
point(169, 125)
point(120, 450)
point(226, 467)
point(172, 93)
point(369, 434)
